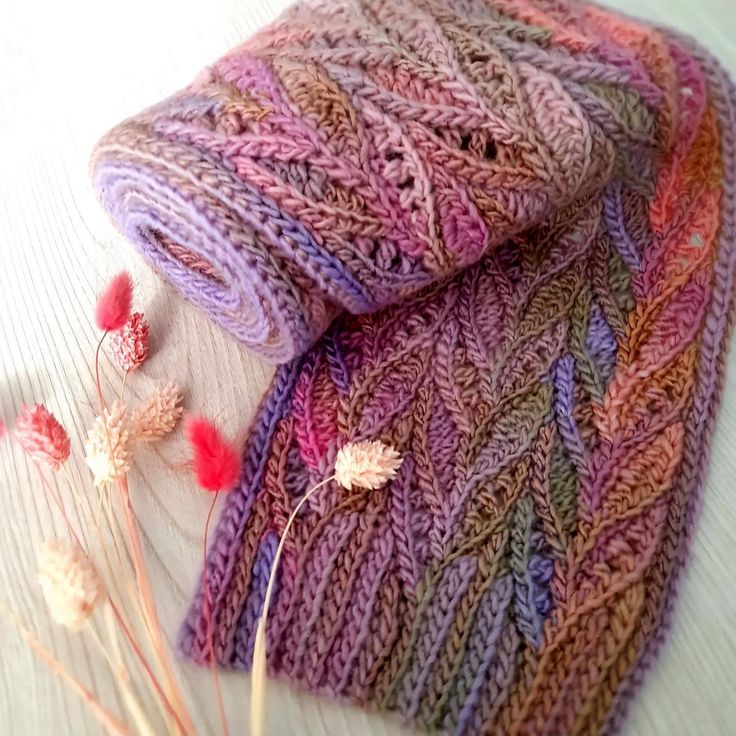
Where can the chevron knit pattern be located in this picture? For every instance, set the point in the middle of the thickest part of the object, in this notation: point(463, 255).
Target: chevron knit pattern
point(499, 236)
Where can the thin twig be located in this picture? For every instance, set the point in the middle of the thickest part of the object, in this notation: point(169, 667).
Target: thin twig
point(97, 375)
point(107, 719)
point(149, 607)
point(208, 623)
point(122, 677)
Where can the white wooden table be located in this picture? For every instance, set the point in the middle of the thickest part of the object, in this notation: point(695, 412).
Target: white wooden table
point(68, 72)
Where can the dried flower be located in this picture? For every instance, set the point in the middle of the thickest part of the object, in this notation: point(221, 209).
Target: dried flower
point(106, 447)
point(41, 436)
point(70, 583)
point(159, 415)
point(216, 462)
point(130, 343)
point(3, 430)
point(113, 305)
point(366, 464)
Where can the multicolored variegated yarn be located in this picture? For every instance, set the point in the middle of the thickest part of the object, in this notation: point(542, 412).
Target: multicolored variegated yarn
point(499, 236)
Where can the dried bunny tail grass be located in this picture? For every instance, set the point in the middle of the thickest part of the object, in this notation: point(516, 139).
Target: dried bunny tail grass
point(158, 416)
point(41, 436)
point(366, 464)
point(70, 583)
point(112, 310)
point(106, 448)
point(215, 460)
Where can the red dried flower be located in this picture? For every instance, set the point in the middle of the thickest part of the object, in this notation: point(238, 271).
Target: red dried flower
point(216, 462)
point(41, 436)
point(130, 343)
point(113, 305)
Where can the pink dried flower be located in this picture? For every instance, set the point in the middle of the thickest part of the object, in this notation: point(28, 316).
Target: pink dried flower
point(3, 430)
point(41, 436)
point(216, 462)
point(113, 305)
point(130, 343)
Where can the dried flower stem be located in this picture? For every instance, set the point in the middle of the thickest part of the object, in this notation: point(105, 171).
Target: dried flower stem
point(93, 520)
point(107, 719)
point(114, 527)
point(258, 674)
point(168, 709)
point(122, 677)
point(158, 689)
point(122, 623)
point(83, 506)
point(117, 576)
point(97, 374)
point(208, 624)
point(172, 697)
point(149, 607)
point(118, 654)
point(122, 581)
point(60, 504)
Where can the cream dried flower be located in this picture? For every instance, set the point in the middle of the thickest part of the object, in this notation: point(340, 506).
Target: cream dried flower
point(106, 447)
point(159, 415)
point(366, 464)
point(69, 582)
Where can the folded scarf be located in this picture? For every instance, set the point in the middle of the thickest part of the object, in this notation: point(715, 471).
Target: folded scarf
point(498, 236)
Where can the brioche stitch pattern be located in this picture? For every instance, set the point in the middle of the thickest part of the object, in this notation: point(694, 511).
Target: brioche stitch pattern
point(498, 236)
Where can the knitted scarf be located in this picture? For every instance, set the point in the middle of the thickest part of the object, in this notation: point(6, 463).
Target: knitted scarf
point(497, 235)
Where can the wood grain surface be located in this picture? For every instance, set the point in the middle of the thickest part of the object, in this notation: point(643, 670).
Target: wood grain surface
point(68, 72)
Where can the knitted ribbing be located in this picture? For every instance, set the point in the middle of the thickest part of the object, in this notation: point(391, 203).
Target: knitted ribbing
point(498, 236)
